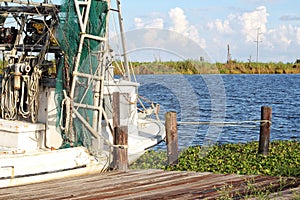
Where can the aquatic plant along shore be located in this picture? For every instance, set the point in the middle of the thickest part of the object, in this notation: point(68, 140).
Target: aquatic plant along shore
point(241, 158)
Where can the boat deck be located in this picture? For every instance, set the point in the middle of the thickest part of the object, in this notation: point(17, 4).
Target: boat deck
point(155, 184)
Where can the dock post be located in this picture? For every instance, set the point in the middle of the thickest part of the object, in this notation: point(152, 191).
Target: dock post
point(121, 149)
point(116, 109)
point(172, 137)
point(120, 137)
point(120, 141)
point(265, 127)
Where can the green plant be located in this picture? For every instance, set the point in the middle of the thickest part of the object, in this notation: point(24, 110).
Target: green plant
point(283, 159)
point(200, 67)
point(151, 160)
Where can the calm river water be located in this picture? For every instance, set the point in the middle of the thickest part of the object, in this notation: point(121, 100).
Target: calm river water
point(226, 98)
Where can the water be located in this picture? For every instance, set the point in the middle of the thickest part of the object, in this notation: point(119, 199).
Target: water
point(226, 98)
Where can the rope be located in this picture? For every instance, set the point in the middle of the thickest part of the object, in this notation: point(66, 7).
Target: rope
point(119, 146)
point(263, 123)
point(66, 102)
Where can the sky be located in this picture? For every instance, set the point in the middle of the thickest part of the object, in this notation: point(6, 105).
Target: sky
point(252, 30)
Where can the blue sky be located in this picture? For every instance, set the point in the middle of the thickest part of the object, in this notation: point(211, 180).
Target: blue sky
point(215, 24)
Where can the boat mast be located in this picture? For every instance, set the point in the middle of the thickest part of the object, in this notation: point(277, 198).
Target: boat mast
point(124, 54)
point(99, 88)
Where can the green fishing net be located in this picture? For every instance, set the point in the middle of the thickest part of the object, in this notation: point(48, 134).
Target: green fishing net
point(68, 35)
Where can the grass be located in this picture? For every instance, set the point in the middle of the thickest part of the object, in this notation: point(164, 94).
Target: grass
point(197, 67)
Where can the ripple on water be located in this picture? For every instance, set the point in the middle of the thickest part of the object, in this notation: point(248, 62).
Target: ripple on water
point(244, 96)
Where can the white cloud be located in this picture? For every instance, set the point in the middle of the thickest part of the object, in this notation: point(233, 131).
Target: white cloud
point(298, 35)
point(158, 23)
point(210, 25)
point(254, 21)
point(221, 26)
point(284, 36)
point(238, 29)
point(181, 25)
point(284, 32)
point(179, 21)
point(153, 23)
point(139, 22)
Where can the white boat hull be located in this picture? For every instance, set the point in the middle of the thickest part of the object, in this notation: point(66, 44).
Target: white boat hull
point(18, 167)
point(25, 168)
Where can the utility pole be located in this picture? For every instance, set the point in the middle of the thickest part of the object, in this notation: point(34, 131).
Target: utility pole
point(228, 54)
point(257, 41)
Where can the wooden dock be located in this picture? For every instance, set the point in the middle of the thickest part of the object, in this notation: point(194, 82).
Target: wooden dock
point(154, 184)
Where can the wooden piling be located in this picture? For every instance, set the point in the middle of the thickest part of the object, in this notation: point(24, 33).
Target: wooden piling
point(172, 137)
point(265, 129)
point(116, 109)
point(121, 149)
point(120, 137)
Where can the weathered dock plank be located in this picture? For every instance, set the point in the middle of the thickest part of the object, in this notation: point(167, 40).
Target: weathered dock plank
point(148, 184)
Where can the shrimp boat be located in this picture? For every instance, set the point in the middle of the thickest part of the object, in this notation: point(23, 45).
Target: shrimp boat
point(59, 94)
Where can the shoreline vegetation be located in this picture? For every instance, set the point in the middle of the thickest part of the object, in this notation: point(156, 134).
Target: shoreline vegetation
point(189, 67)
point(197, 67)
point(283, 159)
